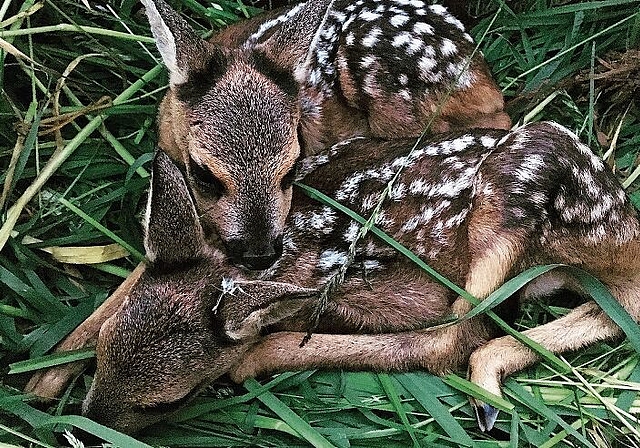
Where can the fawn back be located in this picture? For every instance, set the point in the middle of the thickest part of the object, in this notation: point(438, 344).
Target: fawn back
point(243, 107)
point(534, 196)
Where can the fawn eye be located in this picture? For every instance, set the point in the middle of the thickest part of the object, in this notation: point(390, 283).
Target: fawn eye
point(206, 181)
point(288, 178)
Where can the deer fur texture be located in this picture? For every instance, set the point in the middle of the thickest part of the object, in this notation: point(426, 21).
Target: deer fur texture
point(479, 207)
point(243, 107)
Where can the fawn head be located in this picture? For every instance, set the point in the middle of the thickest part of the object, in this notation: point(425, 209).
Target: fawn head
point(155, 353)
point(230, 120)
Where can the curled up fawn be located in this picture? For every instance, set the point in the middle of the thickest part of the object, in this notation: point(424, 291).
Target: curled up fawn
point(479, 207)
point(243, 107)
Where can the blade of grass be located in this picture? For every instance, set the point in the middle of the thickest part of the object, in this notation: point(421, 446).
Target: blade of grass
point(394, 398)
point(114, 437)
point(516, 391)
point(136, 254)
point(436, 409)
point(22, 436)
point(605, 300)
point(303, 428)
point(54, 359)
point(66, 28)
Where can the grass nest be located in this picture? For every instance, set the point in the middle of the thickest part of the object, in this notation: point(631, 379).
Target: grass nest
point(80, 89)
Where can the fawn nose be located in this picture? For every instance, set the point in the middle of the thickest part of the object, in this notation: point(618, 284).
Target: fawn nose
point(255, 257)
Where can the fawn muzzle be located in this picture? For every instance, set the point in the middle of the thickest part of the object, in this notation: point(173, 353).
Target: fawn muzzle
point(255, 255)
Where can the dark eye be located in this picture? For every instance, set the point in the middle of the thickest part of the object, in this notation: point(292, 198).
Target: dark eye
point(207, 182)
point(288, 178)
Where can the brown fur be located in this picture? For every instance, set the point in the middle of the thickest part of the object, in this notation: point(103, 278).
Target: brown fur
point(248, 109)
point(526, 210)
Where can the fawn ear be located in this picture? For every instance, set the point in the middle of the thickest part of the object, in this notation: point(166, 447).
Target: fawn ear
point(183, 52)
point(298, 33)
point(256, 304)
point(173, 232)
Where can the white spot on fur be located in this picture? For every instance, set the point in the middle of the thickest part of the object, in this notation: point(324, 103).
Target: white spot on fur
point(370, 201)
point(422, 28)
point(530, 167)
point(352, 232)
point(439, 10)
point(398, 192)
point(414, 46)
point(266, 26)
point(368, 15)
point(372, 38)
point(372, 265)
point(331, 258)
point(455, 22)
point(487, 142)
point(401, 39)
point(350, 39)
point(367, 61)
point(399, 20)
point(448, 48)
point(426, 64)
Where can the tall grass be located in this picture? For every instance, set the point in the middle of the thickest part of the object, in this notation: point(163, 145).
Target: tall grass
point(80, 88)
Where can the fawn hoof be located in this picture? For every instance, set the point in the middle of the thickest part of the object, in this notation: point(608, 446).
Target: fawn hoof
point(486, 415)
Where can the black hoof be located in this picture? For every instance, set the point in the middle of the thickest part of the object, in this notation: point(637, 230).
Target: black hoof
point(486, 415)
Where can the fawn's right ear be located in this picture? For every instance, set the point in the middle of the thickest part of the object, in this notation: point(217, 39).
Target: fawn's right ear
point(258, 303)
point(173, 233)
point(185, 54)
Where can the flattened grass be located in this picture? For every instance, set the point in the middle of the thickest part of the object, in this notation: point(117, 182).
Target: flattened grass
point(80, 89)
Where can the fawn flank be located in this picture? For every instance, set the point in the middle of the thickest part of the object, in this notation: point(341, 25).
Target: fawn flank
point(479, 207)
point(243, 107)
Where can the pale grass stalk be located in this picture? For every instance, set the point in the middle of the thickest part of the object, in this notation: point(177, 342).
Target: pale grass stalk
point(539, 108)
point(59, 156)
point(568, 50)
point(26, 12)
point(79, 254)
point(623, 417)
point(614, 140)
point(15, 155)
point(67, 27)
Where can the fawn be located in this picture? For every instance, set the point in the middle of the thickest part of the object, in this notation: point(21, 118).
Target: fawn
point(243, 107)
point(479, 207)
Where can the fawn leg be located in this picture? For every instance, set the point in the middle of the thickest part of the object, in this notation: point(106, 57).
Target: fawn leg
point(435, 351)
point(501, 357)
point(50, 383)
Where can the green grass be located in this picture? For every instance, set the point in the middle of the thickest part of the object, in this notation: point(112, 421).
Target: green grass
point(76, 130)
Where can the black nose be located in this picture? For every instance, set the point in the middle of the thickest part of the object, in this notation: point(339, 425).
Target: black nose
point(255, 256)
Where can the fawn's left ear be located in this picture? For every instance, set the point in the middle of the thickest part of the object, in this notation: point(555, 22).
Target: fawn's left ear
point(258, 303)
point(183, 51)
point(173, 232)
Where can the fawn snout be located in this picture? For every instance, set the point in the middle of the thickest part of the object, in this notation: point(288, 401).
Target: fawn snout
point(255, 254)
